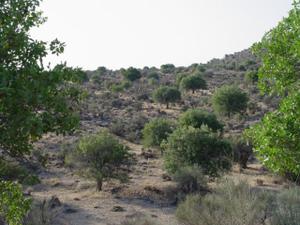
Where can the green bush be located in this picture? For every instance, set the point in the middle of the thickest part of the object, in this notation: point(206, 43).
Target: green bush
point(120, 87)
point(14, 172)
point(229, 99)
point(251, 77)
point(102, 154)
point(153, 75)
point(179, 78)
point(190, 179)
point(276, 138)
point(166, 95)
point(131, 74)
point(13, 205)
point(193, 82)
point(167, 68)
point(242, 150)
point(197, 118)
point(156, 131)
point(229, 204)
point(191, 146)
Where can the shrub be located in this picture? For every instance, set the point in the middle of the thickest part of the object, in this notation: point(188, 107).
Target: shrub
point(166, 95)
point(197, 118)
point(13, 205)
point(191, 146)
point(229, 99)
point(230, 204)
point(167, 68)
point(242, 150)
point(190, 179)
point(156, 131)
point(179, 78)
point(131, 74)
point(193, 82)
point(120, 87)
point(287, 208)
point(14, 172)
point(102, 154)
point(201, 68)
point(251, 77)
point(153, 75)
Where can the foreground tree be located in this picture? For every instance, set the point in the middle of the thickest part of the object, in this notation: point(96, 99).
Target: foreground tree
point(276, 138)
point(34, 100)
point(229, 99)
point(103, 155)
point(166, 95)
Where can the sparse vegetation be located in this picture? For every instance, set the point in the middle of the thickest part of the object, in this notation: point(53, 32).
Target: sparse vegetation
point(167, 68)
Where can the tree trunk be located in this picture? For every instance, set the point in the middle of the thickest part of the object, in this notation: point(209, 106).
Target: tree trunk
point(167, 105)
point(99, 184)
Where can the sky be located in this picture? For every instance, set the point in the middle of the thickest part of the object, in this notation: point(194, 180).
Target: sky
point(123, 33)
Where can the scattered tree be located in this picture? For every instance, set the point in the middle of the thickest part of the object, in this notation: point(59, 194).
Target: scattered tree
point(102, 154)
point(193, 82)
point(230, 99)
point(166, 95)
point(131, 74)
point(167, 68)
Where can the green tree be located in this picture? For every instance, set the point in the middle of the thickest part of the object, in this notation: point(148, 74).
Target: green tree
point(131, 74)
point(188, 146)
point(156, 131)
point(33, 100)
point(166, 95)
point(197, 118)
point(251, 76)
point(276, 137)
point(167, 68)
point(103, 155)
point(229, 99)
point(13, 205)
point(193, 82)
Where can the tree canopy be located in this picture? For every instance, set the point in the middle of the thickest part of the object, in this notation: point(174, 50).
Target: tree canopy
point(166, 94)
point(33, 99)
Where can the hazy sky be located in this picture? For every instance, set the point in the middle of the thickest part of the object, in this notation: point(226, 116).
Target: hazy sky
point(123, 33)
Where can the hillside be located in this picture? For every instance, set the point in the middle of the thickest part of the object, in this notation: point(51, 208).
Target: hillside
point(124, 110)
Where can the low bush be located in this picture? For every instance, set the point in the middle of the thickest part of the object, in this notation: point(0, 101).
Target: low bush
point(197, 118)
point(190, 179)
point(156, 131)
point(287, 208)
point(242, 150)
point(230, 204)
point(192, 146)
point(167, 68)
